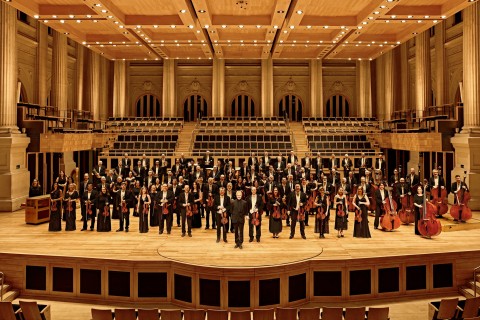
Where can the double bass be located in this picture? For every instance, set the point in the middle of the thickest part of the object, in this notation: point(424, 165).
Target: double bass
point(460, 210)
point(428, 225)
point(407, 214)
point(390, 220)
point(439, 198)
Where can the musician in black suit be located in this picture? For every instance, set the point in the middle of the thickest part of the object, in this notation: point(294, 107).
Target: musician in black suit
point(347, 165)
point(221, 207)
point(207, 160)
point(103, 183)
point(351, 180)
point(98, 172)
point(238, 209)
point(165, 199)
point(279, 165)
point(210, 190)
point(333, 162)
point(457, 185)
point(380, 196)
point(380, 165)
point(413, 178)
point(124, 198)
point(252, 160)
point(436, 183)
point(84, 184)
point(184, 200)
point(177, 167)
point(157, 170)
point(395, 178)
point(255, 210)
point(290, 171)
point(126, 163)
point(401, 190)
point(89, 197)
point(267, 160)
point(362, 164)
point(292, 159)
point(139, 172)
point(145, 162)
point(296, 201)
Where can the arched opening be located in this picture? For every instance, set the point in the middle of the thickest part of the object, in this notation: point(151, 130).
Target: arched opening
point(243, 106)
point(148, 106)
point(291, 106)
point(194, 106)
point(337, 107)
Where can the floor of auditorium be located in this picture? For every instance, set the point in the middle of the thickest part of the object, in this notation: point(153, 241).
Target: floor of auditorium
point(202, 249)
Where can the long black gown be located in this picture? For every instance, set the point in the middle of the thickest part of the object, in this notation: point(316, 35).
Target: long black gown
point(136, 192)
point(418, 200)
point(55, 223)
point(143, 221)
point(197, 217)
point(321, 225)
point(154, 210)
point(70, 216)
point(275, 224)
point(360, 229)
point(104, 222)
point(341, 223)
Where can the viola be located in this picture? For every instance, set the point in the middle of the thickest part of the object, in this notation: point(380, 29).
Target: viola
point(390, 220)
point(428, 225)
point(321, 212)
point(284, 210)
point(460, 210)
point(406, 214)
point(224, 218)
point(301, 214)
point(210, 201)
point(255, 218)
point(351, 207)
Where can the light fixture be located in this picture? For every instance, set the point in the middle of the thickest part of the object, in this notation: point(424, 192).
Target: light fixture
point(419, 21)
point(88, 16)
point(183, 11)
point(207, 26)
point(95, 21)
point(190, 26)
point(224, 26)
point(410, 17)
point(376, 12)
point(78, 21)
point(36, 16)
point(71, 16)
point(202, 11)
point(173, 26)
point(258, 26)
point(110, 17)
point(403, 21)
point(309, 27)
point(359, 27)
point(104, 11)
point(275, 27)
point(97, 5)
point(155, 26)
point(426, 17)
point(364, 22)
point(240, 26)
point(325, 27)
point(292, 27)
point(435, 21)
point(299, 11)
point(54, 17)
point(45, 21)
point(443, 17)
point(62, 21)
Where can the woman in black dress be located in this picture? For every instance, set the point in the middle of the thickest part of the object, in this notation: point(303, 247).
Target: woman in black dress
point(418, 201)
point(104, 222)
point(197, 196)
point(361, 203)
point(136, 192)
point(341, 222)
point(321, 211)
point(231, 194)
point(56, 194)
point(130, 179)
point(35, 189)
point(143, 210)
point(113, 195)
point(275, 207)
point(154, 208)
point(69, 207)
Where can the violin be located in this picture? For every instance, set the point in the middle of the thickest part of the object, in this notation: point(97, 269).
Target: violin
point(165, 208)
point(224, 218)
point(124, 207)
point(210, 201)
point(301, 214)
point(146, 208)
point(406, 214)
point(89, 207)
point(189, 210)
point(53, 206)
point(69, 205)
point(320, 211)
point(460, 210)
point(276, 211)
point(428, 225)
point(390, 220)
point(284, 210)
point(340, 210)
point(195, 209)
point(255, 218)
point(106, 212)
point(358, 215)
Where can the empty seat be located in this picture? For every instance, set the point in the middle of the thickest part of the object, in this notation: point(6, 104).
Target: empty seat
point(102, 314)
point(7, 311)
point(171, 314)
point(309, 313)
point(263, 314)
point(332, 313)
point(217, 315)
point(447, 308)
point(240, 315)
point(286, 313)
point(357, 313)
point(377, 313)
point(148, 314)
point(125, 314)
point(469, 308)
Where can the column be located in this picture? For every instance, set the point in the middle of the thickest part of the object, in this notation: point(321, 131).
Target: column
point(467, 142)
point(364, 89)
point(267, 88)
point(218, 88)
point(422, 71)
point(14, 176)
point(316, 88)
point(168, 101)
point(388, 83)
point(119, 88)
point(41, 89)
point(440, 65)
point(92, 82)
point(80, 76)
point(104, 87)
point(404, 75)
point(59, 71)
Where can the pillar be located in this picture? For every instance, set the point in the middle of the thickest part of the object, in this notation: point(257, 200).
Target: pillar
point(79, 76)
point(440, 65)
point(41, 87)
point(104, 87)
point(92, 82)
point(422, 71)
point(59, 71)
point(218, 88)
point(467, 142)
point(14, 176)
point(119, 88)
point(364, 88)
point(267, 88)
point(316, 88)
point(388, 83)
point(404, 75)
point(168, 102)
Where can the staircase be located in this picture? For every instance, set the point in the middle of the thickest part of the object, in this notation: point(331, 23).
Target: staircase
point(185, 139)
point(468, 290)
point(6, 291)
point(299, 139)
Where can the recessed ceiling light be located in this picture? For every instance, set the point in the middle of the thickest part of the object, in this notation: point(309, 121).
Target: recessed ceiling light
point(173, 26)
point(183, 11)
point(240, 26)
point(54, 17)
point(104, 11)
point(376, 12)
point(78, 21)
point(309, 27)
point(359, 27)
point(98, 5)
point(435, 21)
point(364, 22)
point(403, 21)
point(202, 11)
point(258, 26)
point(36, 16)
point(426, 17)
point(419, 21)
point(45, 21)
point(410, 17)
point(443, 17)
point(207, 26)
point(383, 7)
point(62, 21)
point(292, 27)
point(95, 21)
point(190, 26)
point(71, 16)
point(393, 16)
point(299, 11)
point(275, 27)
point(387, 21)
point(285, 31)
point(224, 26)
point(325, 27)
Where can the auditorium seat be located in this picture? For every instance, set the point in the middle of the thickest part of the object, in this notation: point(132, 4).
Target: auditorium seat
point(329, 313)
point(33, 311)
point(474, 318)
point(263, 314)
point(286, 313)
point(216, 315)
point(240, 315)
point(355, 313)
point(194, 314)
point(309, 314)
point(446, 309)
point(125, 314)
point(169, 314)
point(148, 314)
point(469, 308)
point(102, 314)
point(7, 311)
point(378, 313)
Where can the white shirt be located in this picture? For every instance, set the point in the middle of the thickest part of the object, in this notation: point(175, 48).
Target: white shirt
point(436, 180)
point(164, 195)
point(382, 193)
point(122, 195)
point(254, 200)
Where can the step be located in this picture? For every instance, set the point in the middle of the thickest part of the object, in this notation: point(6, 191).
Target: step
point(6, 287)
point(10, 295)
point(466, 292)
point(472, 285)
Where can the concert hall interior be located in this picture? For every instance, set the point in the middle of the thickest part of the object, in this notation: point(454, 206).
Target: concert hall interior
point(293, 159)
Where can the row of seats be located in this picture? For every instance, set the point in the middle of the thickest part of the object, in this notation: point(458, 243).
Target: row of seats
point(146, 137)
point(337, 119)
point(357, 313)
point(245, 138)
point(455, 309)
point(240, 147)
point(128, 147)
point(25, 310)
point(337, 137)
point(239, 118)
point(321, 146)
point(242, 130)
point(145, 119)
point(140, 152)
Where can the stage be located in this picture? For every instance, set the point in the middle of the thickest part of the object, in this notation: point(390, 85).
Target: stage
point(65, 264)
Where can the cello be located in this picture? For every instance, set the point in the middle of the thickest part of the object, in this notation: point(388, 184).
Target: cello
point(439, 198)
point(460, 210)
point(390, 220)
point(428, 225)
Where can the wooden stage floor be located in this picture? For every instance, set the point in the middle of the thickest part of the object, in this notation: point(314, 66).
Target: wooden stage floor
point(202, 249)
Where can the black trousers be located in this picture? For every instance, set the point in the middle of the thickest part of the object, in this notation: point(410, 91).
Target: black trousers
point(251, 227)
point(378, 214)
point(124, 219)
point(85, 218)
point(168, 218)
point(238, 227)
point(222, 226)
point(189, 223)
point(294, 224)
point(209, 212)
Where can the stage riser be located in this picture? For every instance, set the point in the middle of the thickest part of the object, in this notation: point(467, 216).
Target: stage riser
point(110, 281)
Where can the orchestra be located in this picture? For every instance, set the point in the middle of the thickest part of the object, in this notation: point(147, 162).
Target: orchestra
point(289, 191)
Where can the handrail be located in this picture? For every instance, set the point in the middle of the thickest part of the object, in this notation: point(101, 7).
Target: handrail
point(2, 276)
point(474, 281)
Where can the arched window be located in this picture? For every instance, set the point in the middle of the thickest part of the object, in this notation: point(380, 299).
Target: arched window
point(337, 106)
point(148, 105)
point(292, 107)
point(243, 106)
point(194, 106)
